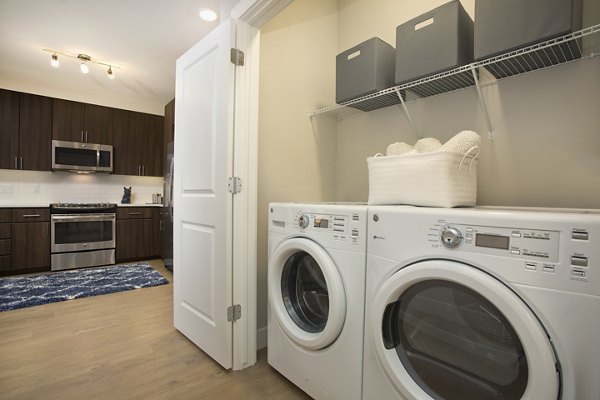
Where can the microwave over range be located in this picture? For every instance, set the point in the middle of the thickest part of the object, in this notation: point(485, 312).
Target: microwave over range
point(81, 157)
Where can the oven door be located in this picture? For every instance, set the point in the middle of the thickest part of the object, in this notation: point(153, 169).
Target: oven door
point(81, 232)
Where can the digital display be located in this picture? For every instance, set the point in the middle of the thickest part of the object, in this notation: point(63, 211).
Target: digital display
point(492, 241)
point(321, 223)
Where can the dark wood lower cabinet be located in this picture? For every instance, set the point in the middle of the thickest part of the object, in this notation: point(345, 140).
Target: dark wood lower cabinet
point(137, 233)
point(30, 247)
point(24, 240)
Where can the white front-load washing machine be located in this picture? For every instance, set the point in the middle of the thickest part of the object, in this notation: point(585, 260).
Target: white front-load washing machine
point(477, 304)
point(316, 285)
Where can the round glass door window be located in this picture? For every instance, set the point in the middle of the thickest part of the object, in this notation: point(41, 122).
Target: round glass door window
point(455, 344)
point(304, 292)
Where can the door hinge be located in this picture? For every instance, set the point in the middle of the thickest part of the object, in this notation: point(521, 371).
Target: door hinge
point(237, 57)
point(234, 184)
point(234, 312)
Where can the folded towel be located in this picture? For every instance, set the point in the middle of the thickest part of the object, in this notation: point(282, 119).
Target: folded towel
point(398, 148)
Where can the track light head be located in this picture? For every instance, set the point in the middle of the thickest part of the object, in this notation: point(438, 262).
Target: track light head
point(84, 59)
point(111, 74)
point(54, 61)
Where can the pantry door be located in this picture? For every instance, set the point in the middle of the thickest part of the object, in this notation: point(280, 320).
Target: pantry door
point(202, 230)
point(215, 264)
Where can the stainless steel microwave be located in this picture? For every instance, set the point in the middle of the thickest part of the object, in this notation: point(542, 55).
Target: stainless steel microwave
point(81, 157)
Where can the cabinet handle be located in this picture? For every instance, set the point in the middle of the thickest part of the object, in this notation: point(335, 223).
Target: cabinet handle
point(31, 215)
point(16, 162)
point(143, 170)
point(82, 137)
point(139, 170)
point(86, 136)
point(21, 160)
point(135, 213)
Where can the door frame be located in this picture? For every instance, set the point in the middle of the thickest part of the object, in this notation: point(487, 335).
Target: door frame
point(249, 16)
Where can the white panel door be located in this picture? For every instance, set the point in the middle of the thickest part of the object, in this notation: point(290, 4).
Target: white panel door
point(202, 229)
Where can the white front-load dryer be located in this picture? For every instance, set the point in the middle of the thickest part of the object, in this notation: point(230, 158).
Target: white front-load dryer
point(477, 304)
point(316, 285)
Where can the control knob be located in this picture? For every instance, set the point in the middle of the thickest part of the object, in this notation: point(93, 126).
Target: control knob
point(451, 237)
point(303, 220)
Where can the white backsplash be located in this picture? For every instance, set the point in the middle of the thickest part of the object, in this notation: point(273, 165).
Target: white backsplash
point(38, 188)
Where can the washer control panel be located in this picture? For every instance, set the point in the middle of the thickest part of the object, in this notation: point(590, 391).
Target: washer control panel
point(531, 243)
point(344, 228)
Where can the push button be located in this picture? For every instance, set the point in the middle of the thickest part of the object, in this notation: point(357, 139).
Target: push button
point(580, 235)
point(579, 261)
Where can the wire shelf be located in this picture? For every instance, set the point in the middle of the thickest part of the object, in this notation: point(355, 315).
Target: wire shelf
point(542, 55)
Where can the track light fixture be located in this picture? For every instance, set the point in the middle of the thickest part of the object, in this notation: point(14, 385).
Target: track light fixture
point(84, 61)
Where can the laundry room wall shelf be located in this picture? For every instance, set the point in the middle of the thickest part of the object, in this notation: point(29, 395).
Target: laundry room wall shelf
point(478, 74)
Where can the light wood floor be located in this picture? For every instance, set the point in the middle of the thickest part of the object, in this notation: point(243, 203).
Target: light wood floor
point(119, 346)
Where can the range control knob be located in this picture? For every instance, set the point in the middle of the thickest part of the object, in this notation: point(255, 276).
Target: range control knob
point(303, 220)
point(451, 237)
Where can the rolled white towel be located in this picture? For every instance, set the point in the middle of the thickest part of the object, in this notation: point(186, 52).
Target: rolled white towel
point(461, 142)
point(427, 145)
point(398, 148)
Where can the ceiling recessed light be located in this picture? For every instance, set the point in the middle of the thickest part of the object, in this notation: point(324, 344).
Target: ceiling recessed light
point(207, 14)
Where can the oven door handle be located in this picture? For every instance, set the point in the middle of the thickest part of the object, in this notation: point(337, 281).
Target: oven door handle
point(83, 218)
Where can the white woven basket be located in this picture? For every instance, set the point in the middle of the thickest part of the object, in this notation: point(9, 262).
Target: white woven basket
point(436, 179)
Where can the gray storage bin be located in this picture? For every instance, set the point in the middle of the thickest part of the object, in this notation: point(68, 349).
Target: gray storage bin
point(502, 26)
point(434, 42)
point(364, 69)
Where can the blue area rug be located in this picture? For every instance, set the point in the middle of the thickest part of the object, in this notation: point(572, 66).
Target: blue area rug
point(33, 290)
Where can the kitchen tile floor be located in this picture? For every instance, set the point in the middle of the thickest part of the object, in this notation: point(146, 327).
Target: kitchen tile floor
point(119, 346)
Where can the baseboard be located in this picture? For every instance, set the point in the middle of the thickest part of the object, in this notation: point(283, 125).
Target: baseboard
point(261, 338)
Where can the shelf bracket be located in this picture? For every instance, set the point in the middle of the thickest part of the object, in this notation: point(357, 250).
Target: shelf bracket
point(410, 121)
point(482, 104)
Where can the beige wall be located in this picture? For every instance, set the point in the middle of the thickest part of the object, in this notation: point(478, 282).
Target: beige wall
point(297, 73)
point(546, 150)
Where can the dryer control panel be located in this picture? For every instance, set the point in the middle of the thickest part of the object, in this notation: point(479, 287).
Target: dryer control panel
point(517, 242)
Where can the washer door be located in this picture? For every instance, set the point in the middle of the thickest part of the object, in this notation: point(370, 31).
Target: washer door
point(447, 330)
point(306, 293)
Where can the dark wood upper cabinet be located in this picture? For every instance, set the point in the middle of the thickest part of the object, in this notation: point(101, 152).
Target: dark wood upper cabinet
point(67, 120)
point(35, 132)
point(9, 129)
point(138, 143)
point(99, 124)
point(81, 122)
point(152, 156)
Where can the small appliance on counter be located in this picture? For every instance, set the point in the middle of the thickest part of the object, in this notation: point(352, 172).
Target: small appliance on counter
point(82, 235)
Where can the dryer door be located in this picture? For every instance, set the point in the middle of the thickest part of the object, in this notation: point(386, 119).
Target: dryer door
point(446, 330)
point(306, 293)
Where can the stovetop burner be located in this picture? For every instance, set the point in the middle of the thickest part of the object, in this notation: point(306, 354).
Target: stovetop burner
point(79, 208)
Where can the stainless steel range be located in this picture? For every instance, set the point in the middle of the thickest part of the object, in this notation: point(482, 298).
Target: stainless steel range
point(82, 235)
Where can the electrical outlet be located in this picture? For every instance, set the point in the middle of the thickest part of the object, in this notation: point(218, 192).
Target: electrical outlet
point(6, 188)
